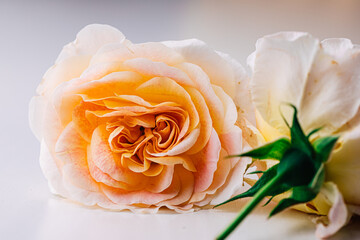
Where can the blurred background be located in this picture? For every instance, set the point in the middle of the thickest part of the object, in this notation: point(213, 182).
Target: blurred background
point(31, 36)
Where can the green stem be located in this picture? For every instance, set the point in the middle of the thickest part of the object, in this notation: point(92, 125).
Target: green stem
point(250, 206)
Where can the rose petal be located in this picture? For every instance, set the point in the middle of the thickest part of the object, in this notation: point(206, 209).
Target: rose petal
point(160, 69)
point(217, 68)
point(338, 215)
point(37, 107)
point(331, 95)
point(89, 40)
point(281, 67)
point(206, 163)
point(343, 166)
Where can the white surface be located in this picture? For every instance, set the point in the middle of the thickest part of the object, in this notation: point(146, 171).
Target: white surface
point(32, 35)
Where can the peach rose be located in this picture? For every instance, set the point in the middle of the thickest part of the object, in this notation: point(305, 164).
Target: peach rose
point(142, 126)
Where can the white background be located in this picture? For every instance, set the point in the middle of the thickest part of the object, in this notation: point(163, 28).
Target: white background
point(32, 34)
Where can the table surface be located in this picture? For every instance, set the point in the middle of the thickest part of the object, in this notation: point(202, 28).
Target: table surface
point(32, 35)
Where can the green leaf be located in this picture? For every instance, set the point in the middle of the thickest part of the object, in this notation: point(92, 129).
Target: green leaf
point(323, 147)
point(273, 150)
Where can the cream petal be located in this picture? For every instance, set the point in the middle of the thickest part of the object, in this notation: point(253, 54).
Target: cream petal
point(51, 171)
point(242, 96)
point(338, 215)
point(153, 51)
point(62, 72)
point(90, 39)
point(344, 164)
point(37, 108)
point(281, 66)
point(219, 70)
point(331, 96)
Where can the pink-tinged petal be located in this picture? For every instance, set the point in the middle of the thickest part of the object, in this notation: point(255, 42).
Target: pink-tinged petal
point(37, 108)
point(142, 197)
point(218, 69)
point(157, 69)
point(203, 85)
point(71, 150)
point(234, 182)
point(338, 215)
point(108, 161)
point(232, 142)
point(230, 112)
point(186, 191)
point(161, 182)
point(89, 40)
point(280, 71)
point(219, 178)
point(206, 163)
point(206, 123)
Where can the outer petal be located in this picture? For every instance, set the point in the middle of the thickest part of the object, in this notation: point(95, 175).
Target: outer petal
point(344, 164)
point(37, 108)
point(89, 40)
point(242, 97)
point(338, 215)
point(332, 93)
point(219, 70)
point(281, 66)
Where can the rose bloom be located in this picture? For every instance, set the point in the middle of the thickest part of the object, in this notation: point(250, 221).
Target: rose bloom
point(322, 79)
point(142, 126)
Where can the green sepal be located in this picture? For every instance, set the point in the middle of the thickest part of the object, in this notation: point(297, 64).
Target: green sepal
point(256, 172)
point(268, 201)
point(323, 147)
point(298, 138)
point(274, 150)
point(313, 132)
